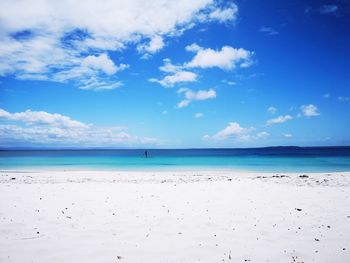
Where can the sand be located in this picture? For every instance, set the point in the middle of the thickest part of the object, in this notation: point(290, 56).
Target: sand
point(179, 216)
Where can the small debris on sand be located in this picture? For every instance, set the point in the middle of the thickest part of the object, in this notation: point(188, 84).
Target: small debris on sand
point(304, 176)
point(298, 209)
point(279, 176)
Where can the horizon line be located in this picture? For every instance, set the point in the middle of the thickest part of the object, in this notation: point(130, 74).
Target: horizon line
point(190, 148)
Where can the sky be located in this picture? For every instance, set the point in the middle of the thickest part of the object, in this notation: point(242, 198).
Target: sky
point(174, 74)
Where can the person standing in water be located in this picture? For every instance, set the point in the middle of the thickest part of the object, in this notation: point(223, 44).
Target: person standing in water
point(146, 154)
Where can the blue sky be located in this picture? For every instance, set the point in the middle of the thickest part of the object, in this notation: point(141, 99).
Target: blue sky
point(174, 74)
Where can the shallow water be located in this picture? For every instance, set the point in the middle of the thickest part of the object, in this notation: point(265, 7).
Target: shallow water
point(274, 159)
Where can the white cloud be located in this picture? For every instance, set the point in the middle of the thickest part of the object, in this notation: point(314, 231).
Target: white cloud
point(193, 47)
point(199, 115)
point(155, 44)
point(272, 110)
point(225, 14)
point(164, 112)
point(177, 77)
point(236, 132)
point(99, 85)
point(42, 118)
point(50, 40)
point(101, 62)
point(183, 104)
point(280, 119)
point(268, 31)
point(195, 96)
point(233, 130)
point(287, 135)
point(50, 136)
point(228, 58)
point(43, 128)
point(200, 94)
point(309, 110)
point(182, 90)
point(169, 67)
point(91, 72)
point(326, 95)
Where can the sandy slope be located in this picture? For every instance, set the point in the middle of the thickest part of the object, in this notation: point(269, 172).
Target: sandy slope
point(204, 216)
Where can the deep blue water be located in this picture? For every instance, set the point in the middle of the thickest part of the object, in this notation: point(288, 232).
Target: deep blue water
point(272, 159)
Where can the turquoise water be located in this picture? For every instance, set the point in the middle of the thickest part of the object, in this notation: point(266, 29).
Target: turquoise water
point(285, 159)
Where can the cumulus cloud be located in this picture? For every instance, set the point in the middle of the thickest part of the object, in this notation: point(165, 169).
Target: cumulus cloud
point(42, 118)
point(43, 128)
point(155, 44)
point(195, 96)
point(227, 58)
point(52, 40)
point(169, 67)
point(101, 62)
point(280, 119)
point(232, 130)
point(287, 135)
point(177, 77)
point(309, 110)
point(224, 14)
point(272, 110)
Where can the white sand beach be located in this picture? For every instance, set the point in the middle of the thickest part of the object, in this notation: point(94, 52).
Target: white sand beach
point(180, 216)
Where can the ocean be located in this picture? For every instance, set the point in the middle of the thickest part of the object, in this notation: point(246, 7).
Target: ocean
point(270, 159)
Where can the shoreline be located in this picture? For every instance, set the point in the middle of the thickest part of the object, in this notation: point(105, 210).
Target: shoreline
point(185, 169)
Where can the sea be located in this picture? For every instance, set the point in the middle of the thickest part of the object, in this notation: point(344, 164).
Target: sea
point(268, 159)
